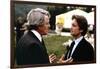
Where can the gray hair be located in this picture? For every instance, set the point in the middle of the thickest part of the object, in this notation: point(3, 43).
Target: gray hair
point(36, 16)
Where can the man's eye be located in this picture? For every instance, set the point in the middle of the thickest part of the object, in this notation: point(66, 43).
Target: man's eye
point(73, 25)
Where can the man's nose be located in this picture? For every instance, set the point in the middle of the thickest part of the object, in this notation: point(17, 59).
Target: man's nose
point(71, 28)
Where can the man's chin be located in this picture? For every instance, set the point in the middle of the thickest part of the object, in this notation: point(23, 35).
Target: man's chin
point(73, 34)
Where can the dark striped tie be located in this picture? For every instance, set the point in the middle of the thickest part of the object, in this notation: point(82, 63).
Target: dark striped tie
point(70, 49)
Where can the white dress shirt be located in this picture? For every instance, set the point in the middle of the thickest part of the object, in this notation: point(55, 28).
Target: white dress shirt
point(37, 35)
point(76, 43)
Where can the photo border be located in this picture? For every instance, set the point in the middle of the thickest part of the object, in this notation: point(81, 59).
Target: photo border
point(12, 55)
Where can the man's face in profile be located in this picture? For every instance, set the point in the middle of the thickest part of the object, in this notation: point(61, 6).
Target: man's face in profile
point(75, 30)
point(44, 28)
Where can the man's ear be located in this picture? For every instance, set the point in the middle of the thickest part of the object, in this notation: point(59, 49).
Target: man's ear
point(40, 27)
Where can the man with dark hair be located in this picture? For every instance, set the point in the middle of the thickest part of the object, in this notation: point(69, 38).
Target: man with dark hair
point(80, 50)
point(31, 48)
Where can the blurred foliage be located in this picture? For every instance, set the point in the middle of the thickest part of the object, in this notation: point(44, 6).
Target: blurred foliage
point(21, 10)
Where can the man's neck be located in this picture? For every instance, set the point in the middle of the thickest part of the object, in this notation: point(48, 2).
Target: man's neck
point(78, 36)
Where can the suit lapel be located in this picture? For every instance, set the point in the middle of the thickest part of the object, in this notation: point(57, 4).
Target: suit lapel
point(78, 47)
point(34, 37)
point(41, 44)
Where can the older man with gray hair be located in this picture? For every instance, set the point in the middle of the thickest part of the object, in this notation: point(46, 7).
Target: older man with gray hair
point(31, 48)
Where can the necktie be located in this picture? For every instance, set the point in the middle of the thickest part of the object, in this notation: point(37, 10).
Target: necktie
point(70, 49)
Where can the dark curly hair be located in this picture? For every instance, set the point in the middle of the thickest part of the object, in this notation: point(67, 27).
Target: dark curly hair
point(82, 23)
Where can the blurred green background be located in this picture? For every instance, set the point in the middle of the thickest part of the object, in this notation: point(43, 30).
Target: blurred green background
point(54, 44)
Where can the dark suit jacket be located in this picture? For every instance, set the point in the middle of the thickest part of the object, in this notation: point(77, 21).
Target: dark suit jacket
point(84, 52)
point(30, 50)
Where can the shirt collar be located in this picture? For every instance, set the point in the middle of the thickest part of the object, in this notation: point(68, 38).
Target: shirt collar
point(76, 43)
point(37, 35)
point(78, 40)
